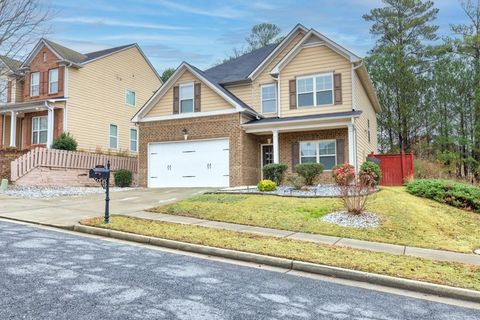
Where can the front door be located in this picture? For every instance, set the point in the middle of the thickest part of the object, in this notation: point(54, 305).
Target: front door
point(267, 155)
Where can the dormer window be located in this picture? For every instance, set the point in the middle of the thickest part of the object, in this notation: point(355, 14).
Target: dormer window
point(186, 97)
point(35, 84)
point(53, 81)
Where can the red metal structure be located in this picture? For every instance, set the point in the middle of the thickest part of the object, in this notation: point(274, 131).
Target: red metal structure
point(396, 168)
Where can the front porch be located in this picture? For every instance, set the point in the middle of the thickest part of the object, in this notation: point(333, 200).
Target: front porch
point(30, 124)
point(322, 139)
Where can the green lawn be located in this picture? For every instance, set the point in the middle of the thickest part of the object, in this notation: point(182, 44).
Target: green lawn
point(447, 273)
point(407, 220)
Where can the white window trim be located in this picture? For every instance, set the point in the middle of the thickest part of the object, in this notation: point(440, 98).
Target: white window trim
point(313, 76)
point(34, 131)
point(186, 84)
point(126, 101)
point(31, 84)
point(276, 97)
point(136, 140)
point(110, 136)
point(50, 81)
point(317, 151)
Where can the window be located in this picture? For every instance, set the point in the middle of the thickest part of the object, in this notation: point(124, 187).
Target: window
point(324, 152)
point(186, 98)
point(269, 98)
point(53, 81)
point(113, 136)
point(3, 90)
point(130, 97)
point(45, 55)
point(133, 140)
point(35, 84)
point(39, 130)
point(368, 130)
point(315, 90)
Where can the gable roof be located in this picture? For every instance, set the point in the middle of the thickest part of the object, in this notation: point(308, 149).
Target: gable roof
point(238, 104)
point(239, 68)
point(10, 63)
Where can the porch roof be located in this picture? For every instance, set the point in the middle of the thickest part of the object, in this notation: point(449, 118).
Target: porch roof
point(28, 105)
point(298, 123)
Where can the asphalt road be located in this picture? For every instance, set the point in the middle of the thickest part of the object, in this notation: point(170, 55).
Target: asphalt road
point(47, 274)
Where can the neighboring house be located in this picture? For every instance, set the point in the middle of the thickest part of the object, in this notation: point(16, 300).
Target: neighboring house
point(92, 96)
point(306, 99)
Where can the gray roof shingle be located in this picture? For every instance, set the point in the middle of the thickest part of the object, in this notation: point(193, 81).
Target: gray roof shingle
point(238, 69)
point(12, 64)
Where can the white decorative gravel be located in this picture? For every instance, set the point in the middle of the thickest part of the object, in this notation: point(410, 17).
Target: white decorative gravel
point(54, 192)
point(345, 219)
point(324, 190)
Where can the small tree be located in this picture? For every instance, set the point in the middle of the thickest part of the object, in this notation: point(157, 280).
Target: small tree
point(274, 172)
point(65, 142)
point(167, 73)
point(309, 171)
point(354, 191)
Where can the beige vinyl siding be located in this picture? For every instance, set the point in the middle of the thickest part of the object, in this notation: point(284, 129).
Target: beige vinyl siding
point(97, 98)
point(310, 61)
point(361, 125)
point(18, 90)
point(242, 92)
point(210, 100)
point(266, 78)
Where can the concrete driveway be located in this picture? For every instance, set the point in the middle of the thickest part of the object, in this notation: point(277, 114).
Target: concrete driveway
point(66, 211)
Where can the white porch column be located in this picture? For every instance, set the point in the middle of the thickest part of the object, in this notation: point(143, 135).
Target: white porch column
point(276, 154)
point(352, 159)
point(13, 129)
point(50, 118)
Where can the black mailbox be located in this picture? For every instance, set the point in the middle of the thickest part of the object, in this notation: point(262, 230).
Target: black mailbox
point(99, 173)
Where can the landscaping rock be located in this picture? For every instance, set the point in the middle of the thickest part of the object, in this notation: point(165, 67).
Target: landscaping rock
point(324, 190)
point(345, 219)
point(34, 192)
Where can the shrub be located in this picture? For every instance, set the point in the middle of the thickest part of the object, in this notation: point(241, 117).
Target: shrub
point(274, 172)
point(370, 169)
point(65, 142)
point(452, 193)
point(123, 178)
point(267, 185)
point(309, 171)
point(296, 181)
point(354, 192)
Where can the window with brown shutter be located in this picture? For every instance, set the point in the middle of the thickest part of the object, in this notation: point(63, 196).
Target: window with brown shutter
point(198, 94)
point(293, 94)
point(337, 86)
point(176, 100)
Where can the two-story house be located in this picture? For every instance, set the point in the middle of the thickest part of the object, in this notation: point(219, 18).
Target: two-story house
point(305, 99)
point(92, 96)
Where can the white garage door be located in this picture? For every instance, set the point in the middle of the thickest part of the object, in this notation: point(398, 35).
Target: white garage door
point(202, 163)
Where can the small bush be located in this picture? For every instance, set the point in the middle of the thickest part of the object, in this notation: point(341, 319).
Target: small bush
point(296, 181)
point(343, 174)
point(372, 170)
point(309, 171)
point(267, 185)
point(274, 172)
point(123, 178)
point(452, 193)
point(65, 142)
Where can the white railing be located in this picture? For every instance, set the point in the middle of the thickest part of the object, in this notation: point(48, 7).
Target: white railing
point(42, 157)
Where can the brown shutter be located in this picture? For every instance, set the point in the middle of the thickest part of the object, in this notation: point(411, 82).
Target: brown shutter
point(337, 87)
point(26, 85)
point(295, 155)
point(340, 151)
point(61, 72)
point(9, 91)
point(176, 100)
point(293, 94)
point(43, 82)
point(198, 94)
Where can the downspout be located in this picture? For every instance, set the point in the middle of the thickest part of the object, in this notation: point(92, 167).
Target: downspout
point(50, 118)
point(65, 94)
point(3, 129)
point(354, 107)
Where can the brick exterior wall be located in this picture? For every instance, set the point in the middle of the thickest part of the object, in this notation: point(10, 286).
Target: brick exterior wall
point(244, 163)
point(27, 126)
point(287, 139)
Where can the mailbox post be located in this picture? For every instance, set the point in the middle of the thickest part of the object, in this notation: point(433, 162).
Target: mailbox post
point(102, 175)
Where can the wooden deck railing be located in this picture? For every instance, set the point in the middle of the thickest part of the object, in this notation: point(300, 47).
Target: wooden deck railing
point(42, 157)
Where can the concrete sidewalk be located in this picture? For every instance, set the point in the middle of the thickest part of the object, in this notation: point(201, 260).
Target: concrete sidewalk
point(468, 258)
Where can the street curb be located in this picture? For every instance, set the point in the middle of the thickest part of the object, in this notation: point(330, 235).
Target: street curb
point(64, 227)
point(388, 281)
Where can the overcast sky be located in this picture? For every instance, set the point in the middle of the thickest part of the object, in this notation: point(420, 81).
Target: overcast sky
point(203, 32)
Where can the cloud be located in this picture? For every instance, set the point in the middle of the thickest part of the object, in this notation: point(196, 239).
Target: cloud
point(142, 37)
point(119, 23)
point(170, 54)
point(219, 12)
